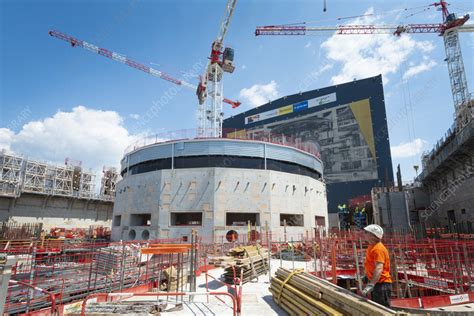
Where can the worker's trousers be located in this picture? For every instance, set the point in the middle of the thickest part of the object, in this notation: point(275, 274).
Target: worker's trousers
point(381, 293)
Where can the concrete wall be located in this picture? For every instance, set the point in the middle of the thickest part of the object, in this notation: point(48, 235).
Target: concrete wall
point(214, 192)
point(448, 176)
point(391, 210)
point(54, 211)
point(456, 198)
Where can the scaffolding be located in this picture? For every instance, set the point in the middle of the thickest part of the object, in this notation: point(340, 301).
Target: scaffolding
point(63, 178)
point(18, 175)
point(10, 174)
point(35, 175)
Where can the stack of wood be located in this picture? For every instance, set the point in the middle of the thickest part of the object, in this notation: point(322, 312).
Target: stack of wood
point(171, 276)
point(300, 293)
point(222, 261)
point(252, 260)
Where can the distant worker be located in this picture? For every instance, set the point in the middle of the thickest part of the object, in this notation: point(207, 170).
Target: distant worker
point(377, 267)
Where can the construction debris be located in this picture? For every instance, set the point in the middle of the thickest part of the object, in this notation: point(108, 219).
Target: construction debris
point(125, 308)
point(300, 293)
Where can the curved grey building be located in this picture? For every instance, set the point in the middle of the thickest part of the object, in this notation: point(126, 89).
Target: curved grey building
point(217, 186)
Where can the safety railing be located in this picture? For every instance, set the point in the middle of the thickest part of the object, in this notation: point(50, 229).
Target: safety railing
point(229, 133)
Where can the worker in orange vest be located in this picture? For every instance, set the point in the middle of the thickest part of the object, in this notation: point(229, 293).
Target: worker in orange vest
point(377, 267)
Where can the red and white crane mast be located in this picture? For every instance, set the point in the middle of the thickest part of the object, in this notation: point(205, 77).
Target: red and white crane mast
point(210, 90)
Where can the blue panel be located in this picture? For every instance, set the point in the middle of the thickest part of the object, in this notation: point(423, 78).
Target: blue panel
point(300, 106)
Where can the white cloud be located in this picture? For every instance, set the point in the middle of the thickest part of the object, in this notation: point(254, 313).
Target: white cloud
point(409, 149)
point(6, 137)
point(308, 45)
point(321, 70)
point(425, 46)
point(422, 67)
point(362, 56)
point(259, 94)
point(95, 137)
point(135, 116)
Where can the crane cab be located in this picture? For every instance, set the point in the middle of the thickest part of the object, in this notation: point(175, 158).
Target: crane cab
point(228, 60)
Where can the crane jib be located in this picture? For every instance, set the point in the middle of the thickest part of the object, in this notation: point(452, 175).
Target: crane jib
point(131, 63)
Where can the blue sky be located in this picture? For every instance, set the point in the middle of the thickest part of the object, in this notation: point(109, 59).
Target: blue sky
point(57, 101)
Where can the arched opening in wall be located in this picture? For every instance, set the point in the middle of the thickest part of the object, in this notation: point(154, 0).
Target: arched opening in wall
point(145, 235)
point(231, 236)
point(254, 235)
point(132, 234)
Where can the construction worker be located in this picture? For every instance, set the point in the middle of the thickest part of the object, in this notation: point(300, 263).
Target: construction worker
point(377, 267)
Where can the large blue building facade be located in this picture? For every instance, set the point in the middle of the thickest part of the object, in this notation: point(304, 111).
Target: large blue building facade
point(347, 123)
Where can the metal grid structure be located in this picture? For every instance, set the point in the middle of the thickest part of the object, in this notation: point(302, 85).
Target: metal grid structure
point(63, 178)
point(70, 270)
point(20, 175)
point(10, 174)
point(35, 176)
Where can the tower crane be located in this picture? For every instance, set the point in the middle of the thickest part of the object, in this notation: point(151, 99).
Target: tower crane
point(210, 112)
point(449, 29)
point(210, 88)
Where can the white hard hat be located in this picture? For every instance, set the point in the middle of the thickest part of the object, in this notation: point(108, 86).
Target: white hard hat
point(375, 229)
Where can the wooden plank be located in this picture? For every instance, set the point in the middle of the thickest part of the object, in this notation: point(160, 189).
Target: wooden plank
point(304, 299)
point(341, 299)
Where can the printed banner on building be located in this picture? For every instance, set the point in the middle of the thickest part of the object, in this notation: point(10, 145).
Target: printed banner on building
point(287, 109)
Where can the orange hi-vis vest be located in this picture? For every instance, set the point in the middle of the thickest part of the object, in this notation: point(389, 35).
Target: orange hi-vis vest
point(378, 253)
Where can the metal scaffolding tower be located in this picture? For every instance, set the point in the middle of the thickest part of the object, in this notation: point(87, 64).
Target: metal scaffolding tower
point(34, 179)
point(63, 177)
point(10, 174)
point(18, 175)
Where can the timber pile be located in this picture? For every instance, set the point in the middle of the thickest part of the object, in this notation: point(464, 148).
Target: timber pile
point(171, 276)
point(251, 260)
point(300, 293)
point(222, 261)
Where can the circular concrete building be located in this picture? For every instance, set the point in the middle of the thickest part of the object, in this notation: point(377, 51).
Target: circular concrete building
point(217, 187)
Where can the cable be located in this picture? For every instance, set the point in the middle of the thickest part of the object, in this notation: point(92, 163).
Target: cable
point(356, 16)
point(415, 13)
point(408, 108)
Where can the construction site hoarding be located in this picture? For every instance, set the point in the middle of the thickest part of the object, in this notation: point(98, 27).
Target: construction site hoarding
point(346, 123)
